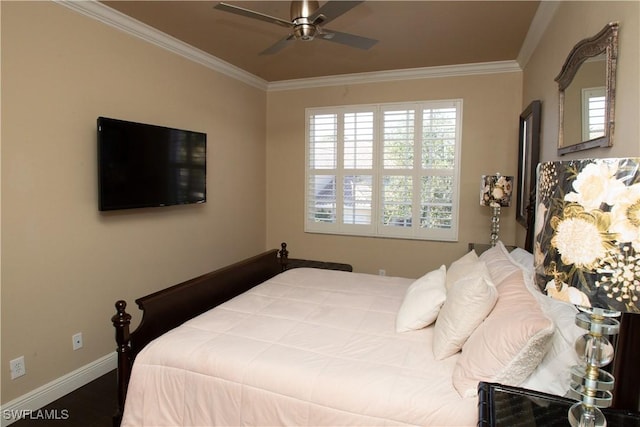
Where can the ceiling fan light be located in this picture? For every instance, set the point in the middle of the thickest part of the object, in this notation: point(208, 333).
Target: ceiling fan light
point(304, 32)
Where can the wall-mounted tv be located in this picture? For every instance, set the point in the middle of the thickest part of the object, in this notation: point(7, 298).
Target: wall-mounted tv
point(142, 165)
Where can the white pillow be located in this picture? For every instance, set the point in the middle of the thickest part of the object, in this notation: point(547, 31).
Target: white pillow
point(524, 259)
point(422, 301)
point(510, 343)
point(468, 303)
point(499, 263)
point(462, 267)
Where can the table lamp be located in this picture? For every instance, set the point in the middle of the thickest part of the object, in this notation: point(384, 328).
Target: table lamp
point(587, 252)
point(495, 192)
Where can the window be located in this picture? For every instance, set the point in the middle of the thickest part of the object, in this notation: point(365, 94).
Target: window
point(593, 113)
point(389, 170)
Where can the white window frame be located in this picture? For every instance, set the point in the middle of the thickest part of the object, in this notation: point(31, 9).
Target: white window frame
point(587, 95)
point(377, 228)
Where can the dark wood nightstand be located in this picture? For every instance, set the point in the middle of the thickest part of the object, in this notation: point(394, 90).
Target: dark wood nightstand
point(504, 406)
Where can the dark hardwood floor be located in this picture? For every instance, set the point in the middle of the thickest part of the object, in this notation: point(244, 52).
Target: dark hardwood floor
point(92, 405)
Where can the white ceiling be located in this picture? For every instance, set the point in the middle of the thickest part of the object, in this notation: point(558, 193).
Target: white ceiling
point(411, 34)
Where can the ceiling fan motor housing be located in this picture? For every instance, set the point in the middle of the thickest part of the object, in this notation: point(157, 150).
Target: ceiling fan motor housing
point(300, 11)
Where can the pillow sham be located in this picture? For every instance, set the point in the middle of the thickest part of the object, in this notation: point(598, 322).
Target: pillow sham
point(462, 267)
point(552, 374)
point(468, 302)
point(499, 263)
point(422, 301)
point(524, 259)
point(510, 343)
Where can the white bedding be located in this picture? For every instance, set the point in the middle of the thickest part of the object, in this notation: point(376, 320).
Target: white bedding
point(308, 347)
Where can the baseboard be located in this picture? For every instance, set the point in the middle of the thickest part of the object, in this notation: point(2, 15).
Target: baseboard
point(42, 396)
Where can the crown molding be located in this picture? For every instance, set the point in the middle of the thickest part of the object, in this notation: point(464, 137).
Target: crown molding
point(543, 17)
point(122, 22)
point(125, 23)
point(398, 75)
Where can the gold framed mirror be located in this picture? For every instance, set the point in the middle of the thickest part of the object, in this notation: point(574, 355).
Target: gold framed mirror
point(587, 86)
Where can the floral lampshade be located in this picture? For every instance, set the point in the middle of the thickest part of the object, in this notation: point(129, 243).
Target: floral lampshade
point(587, 244)
point(587, 252)
point(495, 190)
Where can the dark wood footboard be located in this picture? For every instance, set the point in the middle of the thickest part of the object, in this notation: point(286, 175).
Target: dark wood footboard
point(170, 307)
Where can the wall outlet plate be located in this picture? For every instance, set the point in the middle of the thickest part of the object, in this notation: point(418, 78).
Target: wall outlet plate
point(17, 367)
point(77, 341)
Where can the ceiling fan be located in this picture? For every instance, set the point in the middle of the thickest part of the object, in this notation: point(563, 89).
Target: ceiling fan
point(307, 18)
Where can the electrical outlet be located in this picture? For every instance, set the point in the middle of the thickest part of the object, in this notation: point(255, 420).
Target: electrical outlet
point(17, 367)
point(77, 341)
point(382, 272)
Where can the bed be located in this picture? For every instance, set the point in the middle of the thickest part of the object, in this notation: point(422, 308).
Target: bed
point(310, 346)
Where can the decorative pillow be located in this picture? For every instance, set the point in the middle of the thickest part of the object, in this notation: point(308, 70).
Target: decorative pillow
point(552, 374)
point(510, 343)
point(462, 267)
point(422, 301)
point(469, 301)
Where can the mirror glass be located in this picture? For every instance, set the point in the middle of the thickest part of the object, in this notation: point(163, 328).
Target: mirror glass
point(587, 93)
point(585, 103)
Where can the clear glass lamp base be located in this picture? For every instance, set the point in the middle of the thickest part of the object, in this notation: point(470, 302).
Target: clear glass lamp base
point(590, 385)
point(586, 416)
point(495, 224)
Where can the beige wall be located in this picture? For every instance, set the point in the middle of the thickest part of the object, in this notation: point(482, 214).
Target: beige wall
point(491, 106)
point(572, 22)
point(63, 263)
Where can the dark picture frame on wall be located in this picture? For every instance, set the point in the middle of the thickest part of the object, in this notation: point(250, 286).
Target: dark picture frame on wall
point(528, 158)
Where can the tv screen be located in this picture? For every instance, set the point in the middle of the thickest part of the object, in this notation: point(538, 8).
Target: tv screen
point(141, 165)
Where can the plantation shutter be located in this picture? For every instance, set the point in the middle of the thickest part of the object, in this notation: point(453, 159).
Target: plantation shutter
point(593, 113)
point(322, 166)
point(384, 170)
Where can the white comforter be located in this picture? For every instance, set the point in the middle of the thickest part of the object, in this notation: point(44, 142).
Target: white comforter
point(308, 347)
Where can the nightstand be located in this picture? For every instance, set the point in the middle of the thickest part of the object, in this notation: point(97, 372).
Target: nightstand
point(506, 406)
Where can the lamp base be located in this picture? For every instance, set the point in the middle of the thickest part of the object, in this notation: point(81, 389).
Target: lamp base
point(589, 384)
point(495, 224)
point(586, 416)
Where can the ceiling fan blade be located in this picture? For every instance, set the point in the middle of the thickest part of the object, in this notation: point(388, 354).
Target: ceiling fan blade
point(332, 9)
point(225, 7)
point(348, 39)
point(279, 45)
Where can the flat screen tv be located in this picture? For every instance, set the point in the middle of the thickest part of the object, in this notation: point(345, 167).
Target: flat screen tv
point(141, 165)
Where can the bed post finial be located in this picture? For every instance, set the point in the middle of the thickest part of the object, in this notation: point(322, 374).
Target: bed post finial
point(284, 256)
point(121, 321)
